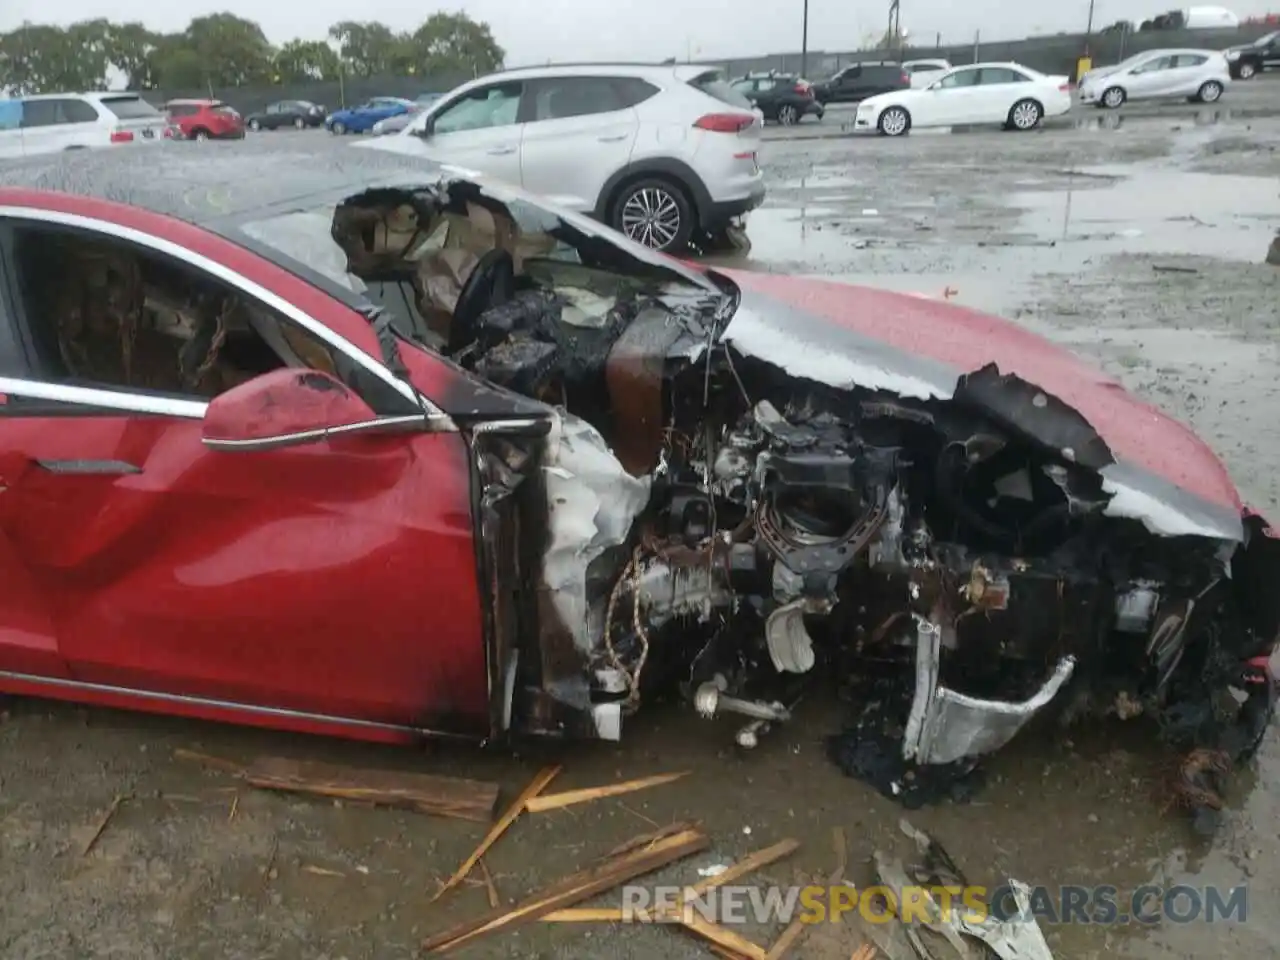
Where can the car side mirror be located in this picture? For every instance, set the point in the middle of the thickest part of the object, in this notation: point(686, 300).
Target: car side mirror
point(284, 408)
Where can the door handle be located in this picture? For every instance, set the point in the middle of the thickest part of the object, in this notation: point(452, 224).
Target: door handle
point(614, 138)
point(501, 151)
point(89, 467)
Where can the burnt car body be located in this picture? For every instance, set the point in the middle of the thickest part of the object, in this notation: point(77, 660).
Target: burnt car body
point(343, 443)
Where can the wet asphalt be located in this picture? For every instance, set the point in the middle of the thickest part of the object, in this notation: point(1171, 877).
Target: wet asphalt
point(1140, 246)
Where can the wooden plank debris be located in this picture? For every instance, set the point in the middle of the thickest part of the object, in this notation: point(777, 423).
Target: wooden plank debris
point(557, 801)
point(604, 875)
point(102, 823)
point(787, 939)
point(423, 792)
point(535, 787)
point(648, 839)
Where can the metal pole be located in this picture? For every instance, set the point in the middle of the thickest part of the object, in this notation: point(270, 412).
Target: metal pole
point(977, 38)
point(1088, 30)
point(804, 42)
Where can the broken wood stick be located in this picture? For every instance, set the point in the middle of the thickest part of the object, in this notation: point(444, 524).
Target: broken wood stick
point(556, 801)
point(425, 793)
point(747, 865)
point(648, 839)
point(205, 760)
point(787, 939)
point(535, 787)
point(102, 823)
point(574, 889)
point(734, 944)
point(490, 887)
point(864, 952)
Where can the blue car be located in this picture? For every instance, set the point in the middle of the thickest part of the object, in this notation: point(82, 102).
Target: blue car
point(362, 118)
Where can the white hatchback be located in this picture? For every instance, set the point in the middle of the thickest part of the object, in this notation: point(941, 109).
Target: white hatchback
point(53, 122)
point(1202, 75)
point(981, 93)
point(665, 154)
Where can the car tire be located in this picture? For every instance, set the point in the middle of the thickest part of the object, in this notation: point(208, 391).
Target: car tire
point(1025, 116)
point(788, 115)
point(255, 126)
point(201, 135)
point(299, 123)
point(1210, 92)
point(1112, 98)
point(338, 128)
point(654, 212)
point(894, 122)
point(1246, 71)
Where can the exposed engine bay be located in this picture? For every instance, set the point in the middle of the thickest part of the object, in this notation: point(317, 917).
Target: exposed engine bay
point(697, 518)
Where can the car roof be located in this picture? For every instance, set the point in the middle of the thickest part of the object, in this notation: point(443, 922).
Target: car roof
point(206, 187)
point(663, 71)
point(1165, 51)
point(91, 95)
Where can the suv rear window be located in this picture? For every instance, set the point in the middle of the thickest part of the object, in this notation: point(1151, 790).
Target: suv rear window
point(129, 108)
point(714, 85)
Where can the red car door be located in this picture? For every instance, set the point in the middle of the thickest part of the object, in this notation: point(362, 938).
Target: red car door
point(329, 579)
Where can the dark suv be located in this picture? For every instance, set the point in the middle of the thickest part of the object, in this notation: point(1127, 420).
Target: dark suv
point(783, 97)
point(1252, 58)
point(858, 81)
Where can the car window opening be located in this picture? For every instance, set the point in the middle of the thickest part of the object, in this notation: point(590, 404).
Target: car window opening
point(104, 313)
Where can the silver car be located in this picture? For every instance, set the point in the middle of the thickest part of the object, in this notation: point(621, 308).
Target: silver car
point(1201, 75)
point(401, 120)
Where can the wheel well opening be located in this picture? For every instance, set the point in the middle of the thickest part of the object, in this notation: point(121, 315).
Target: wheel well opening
point(671, 180)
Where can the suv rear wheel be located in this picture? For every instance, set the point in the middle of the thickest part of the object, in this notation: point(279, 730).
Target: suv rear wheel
point(655, 213)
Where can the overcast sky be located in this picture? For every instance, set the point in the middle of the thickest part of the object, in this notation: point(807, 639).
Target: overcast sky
point(537, 30)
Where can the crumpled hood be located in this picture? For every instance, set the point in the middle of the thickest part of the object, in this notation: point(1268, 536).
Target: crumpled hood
point(1159, 471)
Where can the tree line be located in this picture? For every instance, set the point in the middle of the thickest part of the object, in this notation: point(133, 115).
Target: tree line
point(222, 50)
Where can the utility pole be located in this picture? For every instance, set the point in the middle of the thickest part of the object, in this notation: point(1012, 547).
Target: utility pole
point(804, 42)
point(895, 20)
point(1088, 30)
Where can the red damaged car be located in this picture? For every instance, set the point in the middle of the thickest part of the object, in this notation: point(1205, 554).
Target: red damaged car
point(354, 445)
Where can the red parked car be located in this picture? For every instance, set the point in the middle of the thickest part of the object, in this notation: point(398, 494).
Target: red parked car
point(205, 120)
point(359, 446)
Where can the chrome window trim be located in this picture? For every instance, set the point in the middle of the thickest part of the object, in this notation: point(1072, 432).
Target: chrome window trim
point(109, 399)
point(389, 424)
point(234, 279)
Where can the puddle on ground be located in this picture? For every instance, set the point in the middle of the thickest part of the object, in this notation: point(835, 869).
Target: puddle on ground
point(1204, 117)
point(817, 181)
point(1155, 210)
point(807, 234)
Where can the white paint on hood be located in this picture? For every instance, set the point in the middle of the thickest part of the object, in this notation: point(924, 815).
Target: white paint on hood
point(750, 334)
point(1158, 516)
point(591, 502)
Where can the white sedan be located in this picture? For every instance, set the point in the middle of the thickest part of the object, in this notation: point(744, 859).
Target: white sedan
point(1004, 93)
point(1202, 75)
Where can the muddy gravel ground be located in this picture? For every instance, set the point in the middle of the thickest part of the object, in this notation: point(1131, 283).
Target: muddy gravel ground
point(1141, 247)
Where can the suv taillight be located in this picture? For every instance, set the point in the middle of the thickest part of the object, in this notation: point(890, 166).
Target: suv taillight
point(725, 122)
point(906, 78)
point(804, 89)
point(122, 136)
